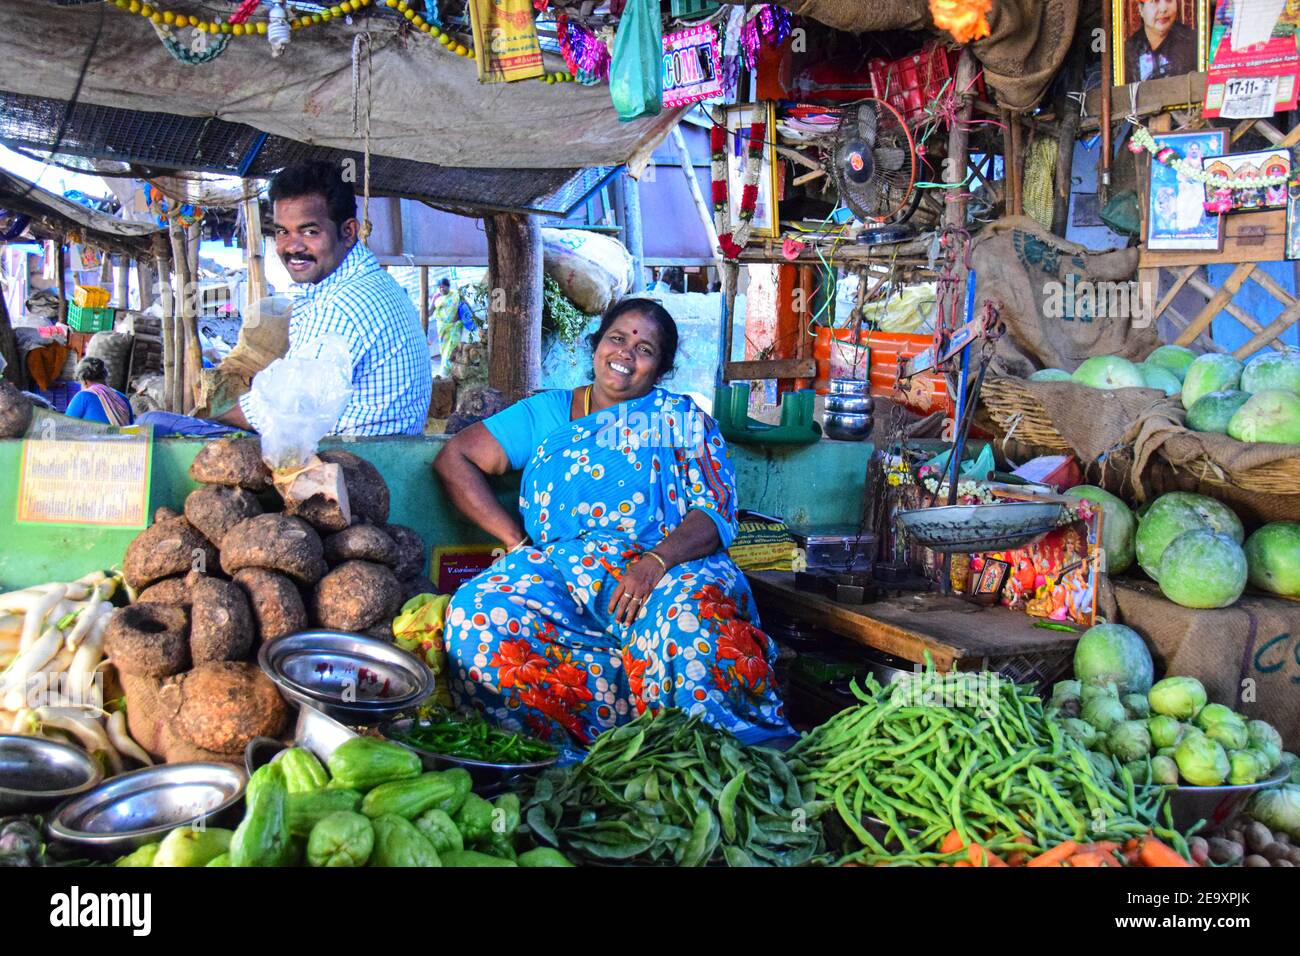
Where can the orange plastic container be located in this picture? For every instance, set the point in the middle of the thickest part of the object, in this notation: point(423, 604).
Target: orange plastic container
point(833, 351)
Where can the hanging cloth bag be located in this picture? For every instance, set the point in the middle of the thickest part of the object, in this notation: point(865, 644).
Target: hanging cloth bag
point(636, 79)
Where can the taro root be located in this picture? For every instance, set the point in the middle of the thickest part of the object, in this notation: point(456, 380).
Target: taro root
point(361, 542)
point(234, 462)
point(15, 412)
point(176, 749)
point(277, 543)
point(215, 509)
point(410, 551)
point(149, 640)
point(380, 632)
point(221, 623)
point(144, 716)
point(277, 607)
point(414, 587)
point(165, 514)
point(367, 490)
point(167, 591)
point(356, 596)
point(225, 704)
point(166, 549)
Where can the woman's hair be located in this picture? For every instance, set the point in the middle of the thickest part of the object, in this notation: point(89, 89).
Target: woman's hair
point(91, 369)
point(651, 310)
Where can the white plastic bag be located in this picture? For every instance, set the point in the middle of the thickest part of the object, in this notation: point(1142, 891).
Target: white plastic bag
point(297, 401)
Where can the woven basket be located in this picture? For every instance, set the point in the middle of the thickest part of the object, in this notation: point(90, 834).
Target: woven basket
point(1018, 415)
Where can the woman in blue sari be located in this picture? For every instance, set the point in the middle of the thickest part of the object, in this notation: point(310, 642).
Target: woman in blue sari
point(617, 593)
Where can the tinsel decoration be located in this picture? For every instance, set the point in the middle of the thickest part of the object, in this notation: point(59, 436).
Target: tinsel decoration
point(770, 25)
point(585, 54)
point(244, 11)
point(433, 16)
point(966, 20)
point(732, 241)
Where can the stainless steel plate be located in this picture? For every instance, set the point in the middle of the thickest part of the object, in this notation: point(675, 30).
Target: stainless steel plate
point(142, 806)
point(484, 774)
point(36, 773)
point(1215, 805)
point(975, 528)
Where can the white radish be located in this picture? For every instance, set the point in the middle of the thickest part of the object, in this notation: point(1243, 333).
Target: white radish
point(23, 723)
point(19, 601)
point(11, 624)
point(121, 739)
point(31, 660)
point(88, 731)
point(35, 617)
point(85, 620)
point(80, 678)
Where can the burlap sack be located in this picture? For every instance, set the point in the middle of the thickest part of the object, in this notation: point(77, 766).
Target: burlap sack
point(1246, 655)
point(263, 338)
point(1057, 298)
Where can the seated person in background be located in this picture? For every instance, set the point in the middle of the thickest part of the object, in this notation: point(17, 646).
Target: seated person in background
point(96, 402)
point(617, 593)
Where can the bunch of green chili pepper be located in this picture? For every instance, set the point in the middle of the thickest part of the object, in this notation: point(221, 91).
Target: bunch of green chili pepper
point(468, 735)
point(968, 752)
point(668, 789)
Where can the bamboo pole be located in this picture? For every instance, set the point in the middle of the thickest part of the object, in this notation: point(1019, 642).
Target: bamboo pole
point(175, 341)
point(60, 263)
point(166, 334)
point(193, 348)
point(145, 277)
point(697, 197)
point(256, 282)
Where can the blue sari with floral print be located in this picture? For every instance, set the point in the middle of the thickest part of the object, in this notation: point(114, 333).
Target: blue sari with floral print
point(530, 640)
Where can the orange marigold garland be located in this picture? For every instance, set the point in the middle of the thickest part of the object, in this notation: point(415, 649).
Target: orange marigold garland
point(966, 20)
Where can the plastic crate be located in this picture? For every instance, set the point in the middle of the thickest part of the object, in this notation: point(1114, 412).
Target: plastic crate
point(912, 83)
point(82, 319)
point(693, 9)
point(90, 296)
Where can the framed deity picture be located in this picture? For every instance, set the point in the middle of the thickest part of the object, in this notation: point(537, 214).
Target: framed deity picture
point(1176, 216)
point(1268, 168)
point(1157, 38)
point(1293, 217)
point(739, 118)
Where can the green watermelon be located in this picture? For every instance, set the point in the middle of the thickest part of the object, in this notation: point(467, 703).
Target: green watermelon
point(1050, 375)
point(1172, 514)
point(1272, 370)
point(1269, 417)
point(1203, 569)
point(1212, 372)
point(1117, 526)
point(1157, 376)
point(1108, 371)
point(1114, 654)
point(1273, 558)
point(1212, 412)
point(1173, 357)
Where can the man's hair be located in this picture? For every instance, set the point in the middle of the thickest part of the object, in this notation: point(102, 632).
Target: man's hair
point(317, 178)
point(445, 281)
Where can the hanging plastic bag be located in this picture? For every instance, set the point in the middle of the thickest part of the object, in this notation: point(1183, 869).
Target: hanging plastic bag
point(297, 401)
point(636, 77)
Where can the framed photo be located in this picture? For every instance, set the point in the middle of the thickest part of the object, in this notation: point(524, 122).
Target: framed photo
point(766, 223)
point(1293, 217)
point(1176, 216)
point(1156, 38)
point(1247, 167)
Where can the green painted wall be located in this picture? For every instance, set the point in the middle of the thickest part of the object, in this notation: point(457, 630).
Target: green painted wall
point(809, 485)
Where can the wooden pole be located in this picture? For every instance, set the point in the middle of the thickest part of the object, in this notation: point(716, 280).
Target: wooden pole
point(730, 282)
point(959, 139)
point(1068, 111)
point(256, 281)
point(424, 299)
point(167, 333)
point(702, 209)
point(1103, 176)
point(515, 283)
point(14, 372)
point(627, 213)
point(121, 285)
point(60, 263)
point(145, 277)
point(193, 348)
point(175, 341)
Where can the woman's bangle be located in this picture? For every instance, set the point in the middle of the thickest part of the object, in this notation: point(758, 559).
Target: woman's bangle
point(662, 563)
point(518, 544)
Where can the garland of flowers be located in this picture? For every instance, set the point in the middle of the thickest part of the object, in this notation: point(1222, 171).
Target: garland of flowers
point(732, 242)
point(1168, 156)
point(966, 20)
point(585, 54)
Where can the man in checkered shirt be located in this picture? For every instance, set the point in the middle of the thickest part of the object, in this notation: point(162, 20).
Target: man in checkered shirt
point(348, 294)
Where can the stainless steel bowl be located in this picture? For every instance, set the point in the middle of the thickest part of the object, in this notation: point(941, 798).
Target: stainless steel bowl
point(972, 529)
point(1215, 805)
point(846, 426)
point(354, 679)
point(140, 807)
point(485, 775)
point(316, 731)
point(854, 404)
point(849, 386)
point(36, 773)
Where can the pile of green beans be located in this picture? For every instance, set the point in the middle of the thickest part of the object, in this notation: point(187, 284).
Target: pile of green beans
point(469, 736)
point(975, 753)
point(667, 789)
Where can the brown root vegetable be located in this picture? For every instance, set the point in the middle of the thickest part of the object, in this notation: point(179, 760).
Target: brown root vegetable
point(276, 543)
point(225, 704)
point(165, 514)
point(1257, 836)
point(383, 631)
point(15, 412)
point(233, 461)
point(277, 606)
point(361, 542)
point(323, 514)
point(1235, 834)
point(1199, 848)
point(1255, 860)
point(149, 640)
point(1274, 852)
point(411, 559)
point(176, 749)
point(1224, 852)
point(1282, 837)
point(414, 587)
point(221, 623)
point(145, 717)
point(215, 509)
point(1293, 854)
point(367, 490)
point(163, 550)
point(356, 596)
point(167, 591)
point(1283, 861)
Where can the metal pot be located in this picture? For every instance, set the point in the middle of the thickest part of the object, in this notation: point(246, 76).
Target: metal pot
point(36, 773)
point(1215, 805)
point(846, 426)
point(854, 404)
point(849, 387)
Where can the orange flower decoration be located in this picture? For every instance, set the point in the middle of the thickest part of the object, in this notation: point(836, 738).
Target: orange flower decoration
point(966, 20)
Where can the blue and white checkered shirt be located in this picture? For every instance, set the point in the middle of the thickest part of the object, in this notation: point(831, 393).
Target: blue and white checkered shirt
point(392, 378)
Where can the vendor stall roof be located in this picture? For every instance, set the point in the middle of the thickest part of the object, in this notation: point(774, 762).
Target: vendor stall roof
point(56, 214)
point(425, 105)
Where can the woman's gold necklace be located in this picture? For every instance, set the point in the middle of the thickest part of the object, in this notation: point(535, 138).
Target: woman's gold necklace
point(586, 402)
